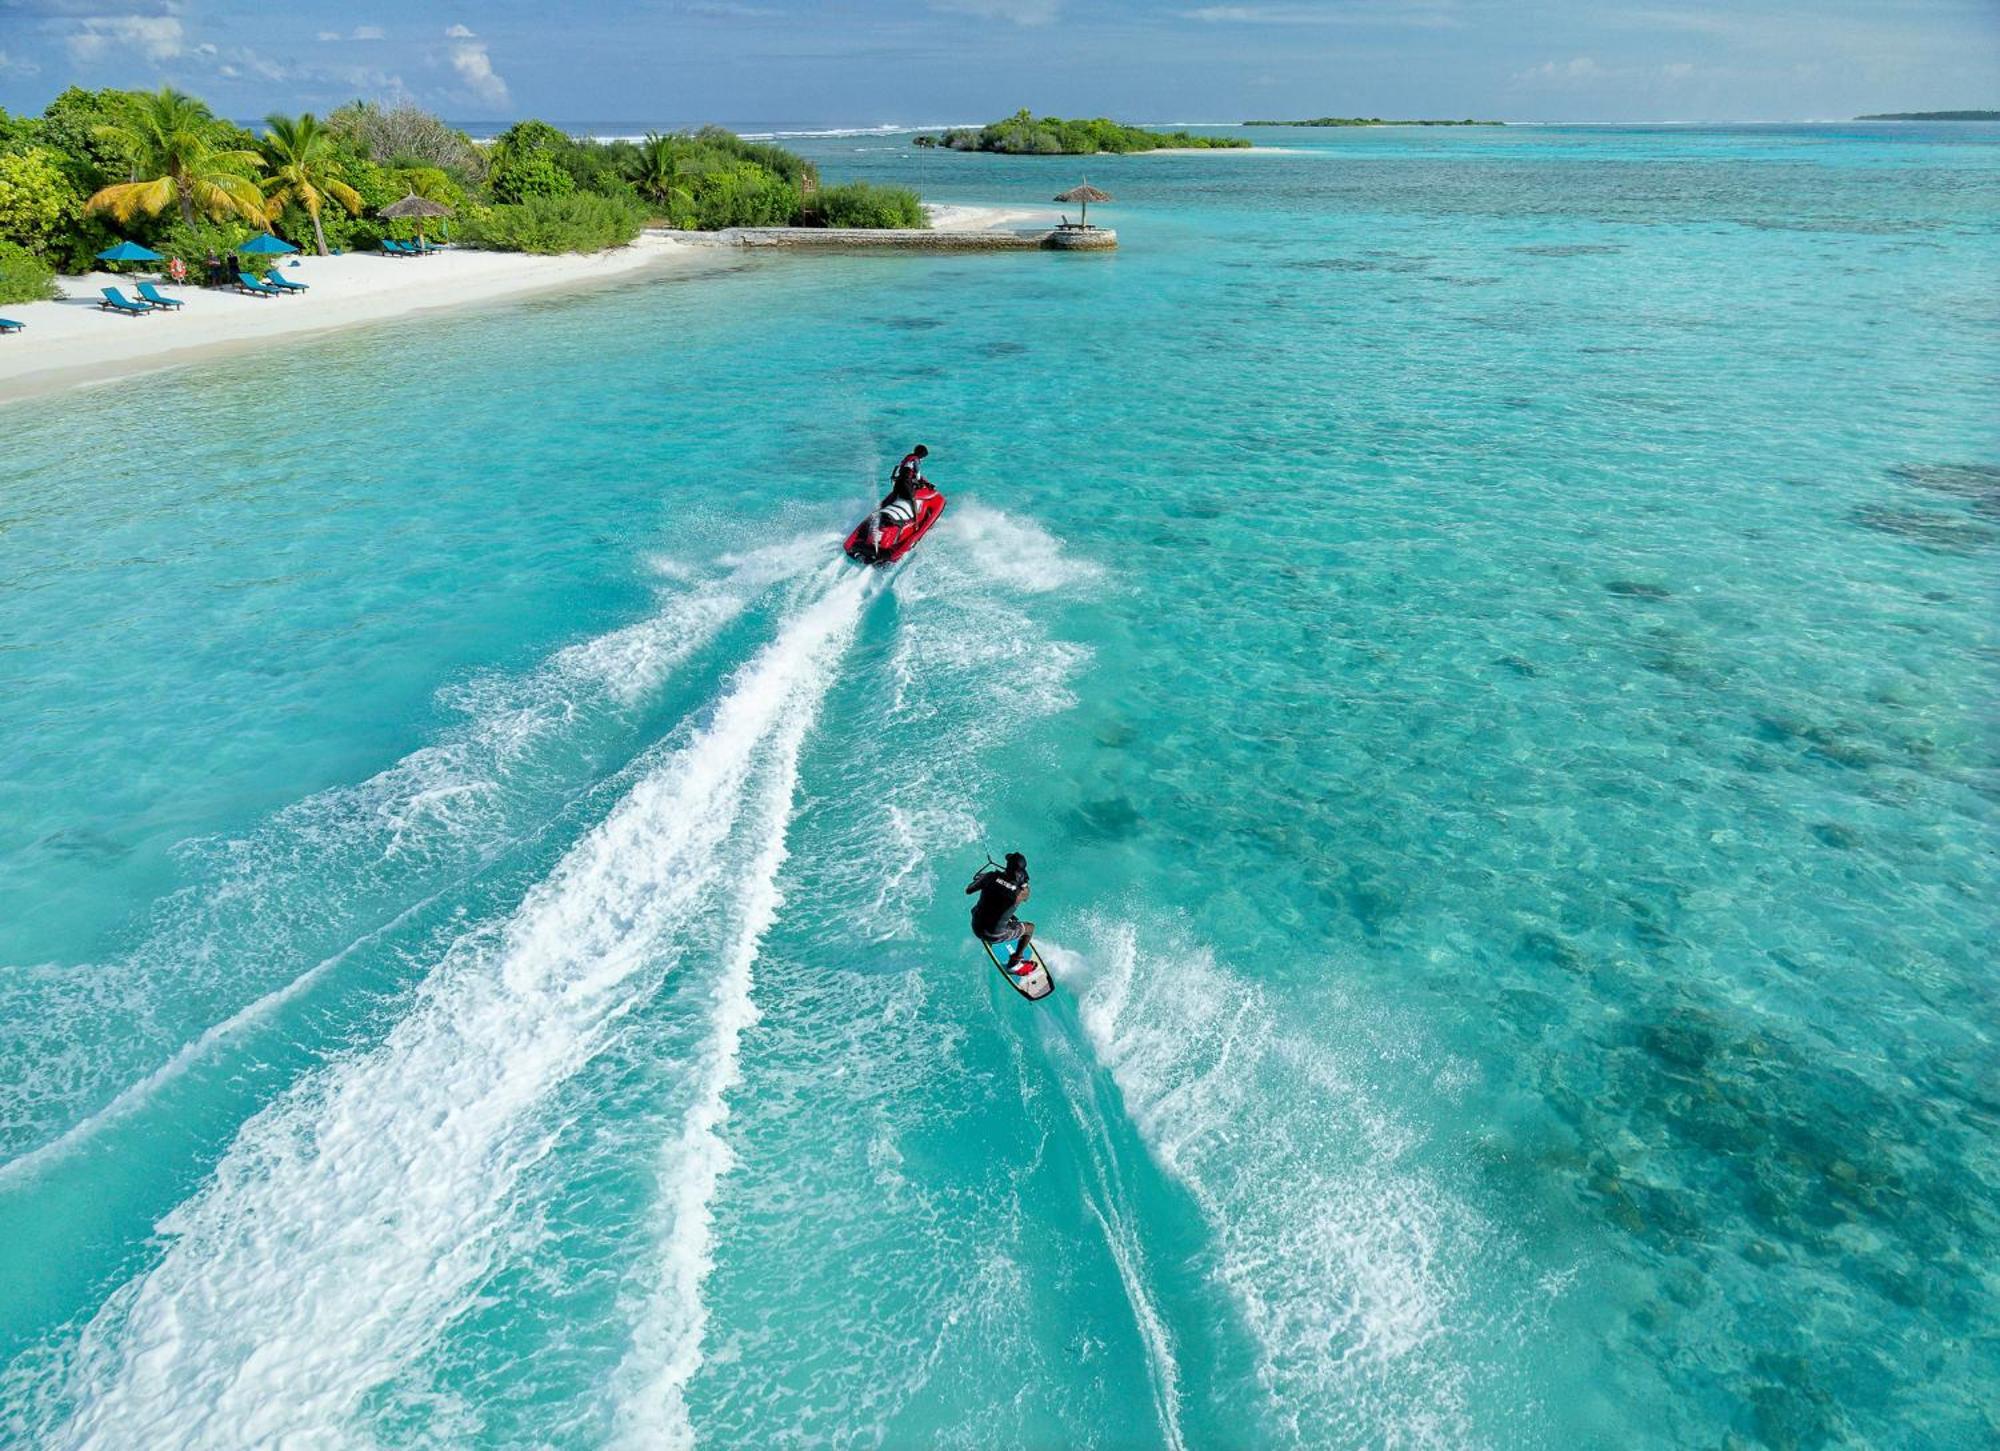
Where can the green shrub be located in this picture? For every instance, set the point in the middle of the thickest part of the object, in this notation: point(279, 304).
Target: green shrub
point(193, 244)
point(73, 126)
point(862, 204)
point(24, 277)
point(595, 166)
point(720, 144)
point(530, 174)
point(18, 133)
point(37, 202)
point(1024, 134)
point(582, 222)
point(528, 161)
point(742, 194)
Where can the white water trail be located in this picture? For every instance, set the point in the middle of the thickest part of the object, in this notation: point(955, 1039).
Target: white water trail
point(444, 803)
point(666, 1348)
point(356, 1217)
point(1337, 1254)
point(970, 668)
point(1106, 1199)
point(1162, 1365)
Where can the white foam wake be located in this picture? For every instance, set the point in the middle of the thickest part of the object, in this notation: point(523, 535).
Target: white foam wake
point(1335, 1250)
point(356, 1217)
point(1110, 1207)
point(970, 667)
point(965, 663)
point(322, 862)
point(669, 1324)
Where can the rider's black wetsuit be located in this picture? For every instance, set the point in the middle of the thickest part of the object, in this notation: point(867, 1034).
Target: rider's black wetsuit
point(993, 918)
point(903, 483)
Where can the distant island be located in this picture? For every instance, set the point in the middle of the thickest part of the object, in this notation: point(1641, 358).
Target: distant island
point(1369, 121)
point(1024, 134)
point(1933, 116)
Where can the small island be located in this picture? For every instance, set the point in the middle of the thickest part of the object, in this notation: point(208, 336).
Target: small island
point(1369, 121)
point(1932, 116)
point(1025, 134)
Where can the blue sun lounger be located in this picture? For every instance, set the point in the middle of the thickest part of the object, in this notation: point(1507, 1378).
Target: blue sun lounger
point(392, 248)
point(116, 301)
point(154, 297)
point(251, 285)
point(8, 325)
point(285, 284)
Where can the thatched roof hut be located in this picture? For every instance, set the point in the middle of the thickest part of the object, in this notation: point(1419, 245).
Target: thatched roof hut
point(415, 206)
point(1085, 195)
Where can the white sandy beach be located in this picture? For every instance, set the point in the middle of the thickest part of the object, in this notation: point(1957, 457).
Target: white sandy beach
point(73, 342)
point(946, 217)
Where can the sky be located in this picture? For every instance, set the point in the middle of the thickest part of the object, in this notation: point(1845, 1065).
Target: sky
point(777, 63)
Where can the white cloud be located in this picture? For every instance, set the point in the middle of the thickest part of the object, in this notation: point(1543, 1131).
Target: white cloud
point(475, 67)
point(1021, 12)
point(328, 35)
point(368, 32)
point(1420, 14)
point(1678, 70)
point(18, 67)
point(157, 37)
point(1579, 68)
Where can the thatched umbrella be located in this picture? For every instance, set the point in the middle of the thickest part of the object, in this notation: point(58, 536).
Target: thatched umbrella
point(415, 206)
point(1086, 194)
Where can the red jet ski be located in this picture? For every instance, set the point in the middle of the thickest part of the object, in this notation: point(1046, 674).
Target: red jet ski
point(888, 534)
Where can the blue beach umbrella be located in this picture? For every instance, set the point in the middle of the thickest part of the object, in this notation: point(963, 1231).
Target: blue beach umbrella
point(267, 246)
point(128, 252)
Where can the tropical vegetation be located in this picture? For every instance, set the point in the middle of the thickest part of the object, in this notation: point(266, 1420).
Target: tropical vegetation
point(572, 222)
point(160, 168)
point(181, 156)
point(24, 277)
point(304, 172)
point(1025, 134)
point(863, 204)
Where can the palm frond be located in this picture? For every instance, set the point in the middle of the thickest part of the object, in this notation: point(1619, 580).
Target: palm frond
point(128, 199)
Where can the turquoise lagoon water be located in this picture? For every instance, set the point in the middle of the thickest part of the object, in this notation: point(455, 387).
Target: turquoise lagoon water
point(1486, 638)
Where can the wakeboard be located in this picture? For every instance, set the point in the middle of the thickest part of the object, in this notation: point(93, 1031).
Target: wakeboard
point(1034, 984)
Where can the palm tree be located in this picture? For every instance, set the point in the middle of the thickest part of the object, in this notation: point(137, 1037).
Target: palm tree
point(655, 172)
point(174, 140)
point(300, 153)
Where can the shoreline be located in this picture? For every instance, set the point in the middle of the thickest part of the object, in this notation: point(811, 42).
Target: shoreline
point(72, 344)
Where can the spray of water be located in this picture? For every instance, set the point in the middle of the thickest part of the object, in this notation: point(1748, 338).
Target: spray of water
point(357, 1216)
point(388, 845)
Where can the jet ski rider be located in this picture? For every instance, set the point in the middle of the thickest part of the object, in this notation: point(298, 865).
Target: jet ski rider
point(900, 507)
point(1001, 889)
point(909, 473)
